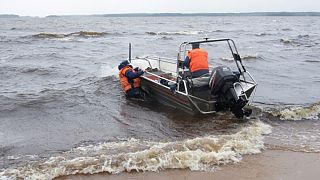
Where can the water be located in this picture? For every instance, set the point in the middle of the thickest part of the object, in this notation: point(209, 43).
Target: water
point(62, 110)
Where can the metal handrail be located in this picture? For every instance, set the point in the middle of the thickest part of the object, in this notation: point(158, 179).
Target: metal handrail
point(233, 49)
point(145, 60)
point(148, 72)
point(194, 104)
point(156, 58)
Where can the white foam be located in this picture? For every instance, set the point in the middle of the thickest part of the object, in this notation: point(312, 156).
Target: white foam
point(298, 113)
point(202, 153)
point(106, 71)
point(180, 33)
point(13, 157)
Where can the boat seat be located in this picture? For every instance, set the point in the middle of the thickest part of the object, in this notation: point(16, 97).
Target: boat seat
point(200, 86)
point(202, 81)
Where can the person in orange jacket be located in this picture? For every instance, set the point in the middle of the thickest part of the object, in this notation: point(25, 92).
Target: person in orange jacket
point(130, 79)
point(197, 61)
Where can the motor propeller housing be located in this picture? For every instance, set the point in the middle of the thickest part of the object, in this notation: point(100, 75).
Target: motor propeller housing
point(222, 83)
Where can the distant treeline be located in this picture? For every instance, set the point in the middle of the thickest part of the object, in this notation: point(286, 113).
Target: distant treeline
point(185, 14)
point(214, 14)
point(8, 16)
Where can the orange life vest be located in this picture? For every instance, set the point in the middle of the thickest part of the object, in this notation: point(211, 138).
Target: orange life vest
point(126, 86)
point(198, 59)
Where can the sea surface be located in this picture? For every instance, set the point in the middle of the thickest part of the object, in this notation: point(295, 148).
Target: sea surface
point(62, 110)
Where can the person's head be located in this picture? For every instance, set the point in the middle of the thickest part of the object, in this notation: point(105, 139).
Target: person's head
point(195, 45)
point(123, 64)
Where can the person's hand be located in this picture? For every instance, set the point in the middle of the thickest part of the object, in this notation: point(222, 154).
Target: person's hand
point(140, 72)
point(180, 63)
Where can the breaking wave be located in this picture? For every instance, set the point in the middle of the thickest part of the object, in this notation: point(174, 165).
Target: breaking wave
point(107, 71)
point(202, 153)
point(85, 34)
point(298, 113)
point(175, 33)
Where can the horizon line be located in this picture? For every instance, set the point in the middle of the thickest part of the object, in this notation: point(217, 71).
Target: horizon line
point(256, 13)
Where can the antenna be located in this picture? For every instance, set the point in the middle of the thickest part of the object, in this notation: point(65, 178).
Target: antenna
point(130, 52)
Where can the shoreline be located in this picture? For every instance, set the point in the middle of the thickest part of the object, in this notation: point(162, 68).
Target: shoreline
point(270, 164)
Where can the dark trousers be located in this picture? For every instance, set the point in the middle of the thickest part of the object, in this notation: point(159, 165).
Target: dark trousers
point(134, 92)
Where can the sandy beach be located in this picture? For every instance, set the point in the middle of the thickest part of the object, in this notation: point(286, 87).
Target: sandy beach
point(271, 164)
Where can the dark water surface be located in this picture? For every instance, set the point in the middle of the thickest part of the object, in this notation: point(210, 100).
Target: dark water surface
point(61, 106)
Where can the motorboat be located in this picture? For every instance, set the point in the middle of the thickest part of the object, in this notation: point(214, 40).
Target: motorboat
point(224, 88)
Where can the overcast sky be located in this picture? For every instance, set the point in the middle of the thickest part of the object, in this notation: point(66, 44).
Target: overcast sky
point(81, 7)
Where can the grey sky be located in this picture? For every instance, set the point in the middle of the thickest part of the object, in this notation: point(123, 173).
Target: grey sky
point(69, 7)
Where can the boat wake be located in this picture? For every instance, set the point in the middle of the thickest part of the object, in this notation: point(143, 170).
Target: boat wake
point(201, 153)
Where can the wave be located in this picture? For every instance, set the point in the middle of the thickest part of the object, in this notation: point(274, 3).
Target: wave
point(88, 34)
point(286, 41)
point(244, 57)
point(108, 71)
point(300, 40)
point(36, 70)
point(285, 147)
point(303, 36)
point(286, 29)
point(28, 70)
point(64, 97)
point(49, 35)
point(312, 61)
point(166, 38)
point(198, 154)
point(175, 33)
point(85, 34)
point(263, 34)
point(298, 113)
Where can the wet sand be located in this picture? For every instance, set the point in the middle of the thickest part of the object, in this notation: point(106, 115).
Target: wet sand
point(271, 164)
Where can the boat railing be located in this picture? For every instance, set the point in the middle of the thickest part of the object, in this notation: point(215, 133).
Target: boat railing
point(160, 77)
point(191, 97)
point(253, 82)
point(160, 63)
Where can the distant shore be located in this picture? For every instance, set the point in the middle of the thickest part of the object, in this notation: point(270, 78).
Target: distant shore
point(184, 14)
point(271, 164)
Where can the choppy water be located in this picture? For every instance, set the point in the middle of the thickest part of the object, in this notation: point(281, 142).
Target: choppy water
point(62, 110)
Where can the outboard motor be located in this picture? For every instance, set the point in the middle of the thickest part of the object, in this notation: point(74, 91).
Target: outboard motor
point(222, 83)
